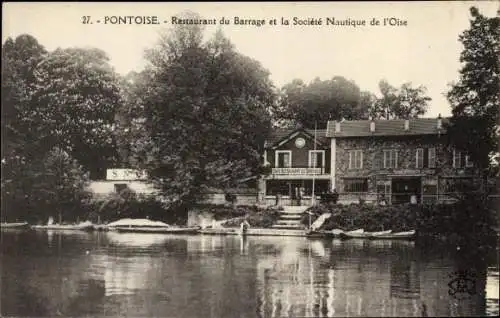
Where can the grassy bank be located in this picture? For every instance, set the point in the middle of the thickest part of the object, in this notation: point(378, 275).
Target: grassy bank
point(468, 221)
point(256, 216)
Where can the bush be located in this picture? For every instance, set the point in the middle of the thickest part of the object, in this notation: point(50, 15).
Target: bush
point(132, 206)
point(256, 216)
point(466, 219)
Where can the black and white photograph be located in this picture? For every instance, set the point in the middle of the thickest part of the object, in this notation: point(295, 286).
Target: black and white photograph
point(250, 159)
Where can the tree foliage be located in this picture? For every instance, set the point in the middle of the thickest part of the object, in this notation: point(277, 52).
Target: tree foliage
point(53, 103)
point(407, 102)
point(77, 95)
point(54, 186)
point(206, 116)
point(475, 97)
point(320, 101)
point(20, 58)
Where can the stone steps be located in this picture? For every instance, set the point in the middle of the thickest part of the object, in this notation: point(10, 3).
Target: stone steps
point(294, 209)
point(287, 227)
point(288, 222)
point(290, 218)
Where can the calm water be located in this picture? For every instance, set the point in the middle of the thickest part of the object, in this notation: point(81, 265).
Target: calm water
point(118, 274)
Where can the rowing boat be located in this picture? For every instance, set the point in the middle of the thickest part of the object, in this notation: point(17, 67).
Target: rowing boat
point(85, 226)
point(399, 235)
point(362, 234)
point(18, 225)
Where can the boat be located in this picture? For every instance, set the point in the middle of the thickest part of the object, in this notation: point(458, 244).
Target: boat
point(320, 221)
point(85, 226)
point(149, 226)
point(18, 225)
point(362, 234)
point(399, 235)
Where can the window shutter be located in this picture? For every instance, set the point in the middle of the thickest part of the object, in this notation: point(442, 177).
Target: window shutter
point(426, 158)
point(376, 160)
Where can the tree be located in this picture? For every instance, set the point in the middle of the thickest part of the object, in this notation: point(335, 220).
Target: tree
point(474, 98)
point(320, 101)
point(77, 94)
point(404, 103)
point(206, 114)
point(19, 60)
point(130, 131)
point(20, 56)
point(53, 186)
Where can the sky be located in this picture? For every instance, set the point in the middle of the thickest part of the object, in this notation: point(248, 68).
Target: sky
point(422, 48)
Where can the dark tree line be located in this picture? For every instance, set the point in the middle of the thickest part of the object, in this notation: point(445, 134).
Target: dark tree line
point(196, 118)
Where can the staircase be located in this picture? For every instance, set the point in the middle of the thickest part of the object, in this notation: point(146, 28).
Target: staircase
point(290, 218)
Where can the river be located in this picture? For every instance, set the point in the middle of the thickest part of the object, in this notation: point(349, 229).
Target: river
point(151, 275)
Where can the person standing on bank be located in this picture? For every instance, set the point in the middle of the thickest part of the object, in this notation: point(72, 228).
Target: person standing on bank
point(244, 226)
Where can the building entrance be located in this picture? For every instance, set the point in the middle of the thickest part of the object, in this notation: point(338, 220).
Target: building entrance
point(403, 188)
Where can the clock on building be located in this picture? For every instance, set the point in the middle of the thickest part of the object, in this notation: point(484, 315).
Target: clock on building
point(300, 142)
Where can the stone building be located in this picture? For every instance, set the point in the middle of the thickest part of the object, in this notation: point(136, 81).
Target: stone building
point(395, 161)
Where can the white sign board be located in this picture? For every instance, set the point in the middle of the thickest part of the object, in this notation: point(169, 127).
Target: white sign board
point(125, 174)
point(297, 171)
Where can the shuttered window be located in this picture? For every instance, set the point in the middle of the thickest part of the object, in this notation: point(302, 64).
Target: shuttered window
point(390, 158)
point(431, 155)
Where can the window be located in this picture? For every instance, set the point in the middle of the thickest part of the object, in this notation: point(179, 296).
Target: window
point(419, 158)
point(390, 158)
point(432, 157)
point(461, 159)
point(316, 158)
point(354, 185)
point(355, 159)
point(283, 159)
point(468, 162)
point(457, 158)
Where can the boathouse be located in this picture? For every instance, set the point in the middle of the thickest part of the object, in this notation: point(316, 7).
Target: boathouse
point(398, 161)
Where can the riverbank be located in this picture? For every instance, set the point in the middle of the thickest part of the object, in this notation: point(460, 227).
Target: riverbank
point(467, 222)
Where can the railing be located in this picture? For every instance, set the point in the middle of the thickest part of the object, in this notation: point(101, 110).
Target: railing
point(298, 171)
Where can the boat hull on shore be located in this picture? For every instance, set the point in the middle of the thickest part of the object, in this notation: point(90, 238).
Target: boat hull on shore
point(409, 235)
point(57, 227)
point(382, 235)
point(17, 226)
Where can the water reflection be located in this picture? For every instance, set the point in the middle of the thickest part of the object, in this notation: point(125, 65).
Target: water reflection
point(117, 274)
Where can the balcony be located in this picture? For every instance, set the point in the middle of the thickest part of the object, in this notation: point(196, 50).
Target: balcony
point(298, 171)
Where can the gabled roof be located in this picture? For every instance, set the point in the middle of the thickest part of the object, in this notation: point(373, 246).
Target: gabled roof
point(281, 135)
point(390, 127)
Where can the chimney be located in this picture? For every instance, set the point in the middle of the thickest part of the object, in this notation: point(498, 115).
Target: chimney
point(337, 127)
point(407, 125)
point(372, 126)
point(439, 122)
